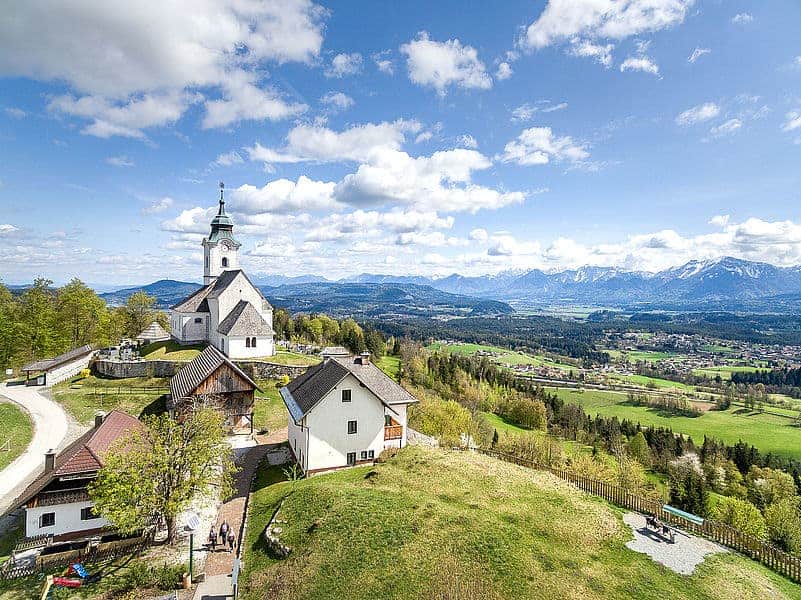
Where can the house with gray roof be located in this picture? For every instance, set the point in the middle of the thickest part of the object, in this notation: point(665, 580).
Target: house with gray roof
point(228, 312)
point(343, 412)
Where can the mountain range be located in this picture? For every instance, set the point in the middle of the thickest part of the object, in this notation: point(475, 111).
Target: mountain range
point(721, 284)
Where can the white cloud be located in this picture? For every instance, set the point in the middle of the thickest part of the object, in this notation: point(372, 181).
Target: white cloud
point(742, 18)
point(283, 195)
point(524, 112)
point(337, 100)
point(442, 64)
point(555, 107)
point(7, 229)
point(727, 128)
point(587, 49)
point(504, 71)
point(344, 64)
point(423, 136)
point(153, 66)
point(15, 113)
point(467, 141)
point(229, 158)
point(538, 146)
point(158, 206)
point(698, 53)
point(478, 235)
point(120, 161)
point(697, 114)
point(640, 63)
point(793, 121)
point(383, 63)
point(720, 220)
point(597, 19)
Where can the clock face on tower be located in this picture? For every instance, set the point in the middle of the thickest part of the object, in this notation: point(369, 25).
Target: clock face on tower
point(225, 246)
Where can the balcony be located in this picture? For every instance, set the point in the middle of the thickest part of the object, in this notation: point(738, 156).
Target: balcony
point(392, 429)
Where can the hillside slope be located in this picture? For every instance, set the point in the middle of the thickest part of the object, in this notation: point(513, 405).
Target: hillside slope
point(438, 524)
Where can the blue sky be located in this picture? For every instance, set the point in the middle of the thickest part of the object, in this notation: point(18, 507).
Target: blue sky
point(398, 137)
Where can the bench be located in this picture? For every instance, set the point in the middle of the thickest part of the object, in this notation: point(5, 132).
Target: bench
point(662, 529)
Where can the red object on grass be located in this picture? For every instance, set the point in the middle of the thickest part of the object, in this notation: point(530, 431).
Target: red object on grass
point(67, 582)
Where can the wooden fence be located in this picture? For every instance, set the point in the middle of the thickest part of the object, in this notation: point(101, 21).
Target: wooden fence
point(782, 562)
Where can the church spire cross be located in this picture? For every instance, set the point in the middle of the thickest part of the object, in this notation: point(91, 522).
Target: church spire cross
point(222, 199)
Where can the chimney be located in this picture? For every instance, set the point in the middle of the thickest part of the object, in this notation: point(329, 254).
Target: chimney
point(50, 460)
point(365, 357)
point(99, 417)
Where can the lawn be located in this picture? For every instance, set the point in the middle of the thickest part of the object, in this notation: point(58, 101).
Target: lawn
point(87, 396)
point(269, 411)
point(390, 365)
point(170, 350)
point(291, 358)
point(441, 524)
point(767, 432)
point(724, 371)
point(504, 356)
point(644, 380)
point(16, 431)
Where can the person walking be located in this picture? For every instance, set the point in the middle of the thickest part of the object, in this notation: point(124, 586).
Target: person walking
point(223, 532)
point(213, 538)
point(231, 540)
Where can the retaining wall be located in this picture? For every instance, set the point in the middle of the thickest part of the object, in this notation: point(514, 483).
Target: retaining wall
point(120, 369)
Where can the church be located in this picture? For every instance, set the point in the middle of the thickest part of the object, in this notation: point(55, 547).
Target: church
point(228, 312)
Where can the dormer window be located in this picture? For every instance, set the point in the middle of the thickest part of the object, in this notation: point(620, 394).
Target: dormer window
point(225, 261)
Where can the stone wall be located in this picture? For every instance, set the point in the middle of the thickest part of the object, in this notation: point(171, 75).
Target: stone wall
point(119, 369)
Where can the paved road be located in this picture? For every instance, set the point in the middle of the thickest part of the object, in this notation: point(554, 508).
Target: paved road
point(50, 428)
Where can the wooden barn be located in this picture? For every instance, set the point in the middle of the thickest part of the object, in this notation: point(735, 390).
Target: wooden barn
point(212, 380)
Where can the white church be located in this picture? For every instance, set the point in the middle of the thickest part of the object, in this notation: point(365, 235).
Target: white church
point(228, 312)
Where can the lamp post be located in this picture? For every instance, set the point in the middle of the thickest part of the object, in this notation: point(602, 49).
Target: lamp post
point(192, 522)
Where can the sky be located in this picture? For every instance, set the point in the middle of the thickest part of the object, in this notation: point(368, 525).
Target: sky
point(397, 137)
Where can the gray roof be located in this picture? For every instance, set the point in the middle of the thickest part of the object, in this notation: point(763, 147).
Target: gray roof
point(196, 303)
point(154, 331)
point(244, 319)
point(50, 363)
point(187, 380)
point(304, 392)
point(335, 351)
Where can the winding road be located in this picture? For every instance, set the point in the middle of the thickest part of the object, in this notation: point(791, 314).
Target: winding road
point(50, 428)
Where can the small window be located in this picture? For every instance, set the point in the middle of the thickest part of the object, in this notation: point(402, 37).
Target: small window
point(345, 395)
point(252, 342)
point(247, 342)
point(351, 458)
point(87, 514)
point(224, 262)
point(198, 319)
point(364, 455)
point(47, 519)
point(387, 420)
point(371, 454)
point(351, 426)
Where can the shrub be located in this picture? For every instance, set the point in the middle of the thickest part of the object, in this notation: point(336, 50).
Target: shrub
point(784, 524)
point(740, 514)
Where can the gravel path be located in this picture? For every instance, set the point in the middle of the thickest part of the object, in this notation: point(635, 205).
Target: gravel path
point(682, 557)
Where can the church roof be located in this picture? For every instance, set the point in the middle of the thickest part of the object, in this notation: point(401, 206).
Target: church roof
point(244, 319)
point(203, 366)
point(226, 278)
point(196, 303)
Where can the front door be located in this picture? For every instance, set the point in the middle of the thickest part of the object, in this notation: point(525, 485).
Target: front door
point(351, 459)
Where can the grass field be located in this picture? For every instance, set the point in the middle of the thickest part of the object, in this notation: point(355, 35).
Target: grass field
point(437, 524)
point(724, 371)
point(16, 431)
point(644, 380)
point(170, 350)
point(390, 365)
point(282, 357)
point(505, 356)
point(767, 432)
point(84, 398)
point(269, 411)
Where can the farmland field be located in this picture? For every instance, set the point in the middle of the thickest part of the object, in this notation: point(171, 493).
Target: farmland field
point(502, 355)
point(767, 432)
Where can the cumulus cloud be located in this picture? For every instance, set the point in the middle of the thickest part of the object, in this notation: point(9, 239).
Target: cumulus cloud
point(120, 161)
point(587, 49)
point(284, 195)
point(698, 114)
point(383, 63)
point(229, 158)
point(742, 18)
point(442, 64)
point(467, 141)
point(158, 206)
point(698, 53)
point(7, 229)
point(601, 19)
point(727, 128)
point(539, 146)
point(145, 72)
point(640, 63)
point(337, 100)
point(504, 71)
point(343, 65)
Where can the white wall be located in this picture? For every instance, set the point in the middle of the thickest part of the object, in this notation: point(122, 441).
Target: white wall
point(68, 519)
point(238, 347)
point(298, 440)
point(329, 440)
point(67, 370)
point(213, 253)
point(185, 329)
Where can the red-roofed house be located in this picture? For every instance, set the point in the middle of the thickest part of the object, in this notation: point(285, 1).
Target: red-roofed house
point(57, 502)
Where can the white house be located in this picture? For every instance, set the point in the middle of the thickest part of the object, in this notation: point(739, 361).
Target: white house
point(228, 312)
point(343, 412)
point(57, 503)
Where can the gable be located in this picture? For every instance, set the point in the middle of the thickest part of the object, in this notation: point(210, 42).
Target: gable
point(224, 380)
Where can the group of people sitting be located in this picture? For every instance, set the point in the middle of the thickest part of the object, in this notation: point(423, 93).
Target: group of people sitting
point(226, 535)
point(653, 522)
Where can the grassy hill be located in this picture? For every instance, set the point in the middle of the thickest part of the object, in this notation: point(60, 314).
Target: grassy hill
point(16, 431)
point(438, 524)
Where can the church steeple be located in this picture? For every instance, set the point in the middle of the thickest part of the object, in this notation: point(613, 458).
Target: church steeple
point(220, 249)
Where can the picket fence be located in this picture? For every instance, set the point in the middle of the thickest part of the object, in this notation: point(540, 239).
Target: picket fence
point(775, 559)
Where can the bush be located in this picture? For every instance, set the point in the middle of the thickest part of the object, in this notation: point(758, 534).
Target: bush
point(784, 524)
point(740, 514)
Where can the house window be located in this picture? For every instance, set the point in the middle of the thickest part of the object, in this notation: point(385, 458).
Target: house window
point(224, 262)
point(345, 395)
point(47, 519)
point(351, 458)
point(387, 420)
point(198, 319)
point(371, 454)
point(351, 426)
point(87, 514)
point(247, 342)
point(252, 342)
point(364, 455)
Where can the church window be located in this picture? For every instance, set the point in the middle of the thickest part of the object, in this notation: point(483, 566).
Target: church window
point(252, 342)
point(198, 319)
point(247, 342)
point(225, 262)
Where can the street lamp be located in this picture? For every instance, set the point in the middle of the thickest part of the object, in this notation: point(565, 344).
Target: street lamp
point(192, 523)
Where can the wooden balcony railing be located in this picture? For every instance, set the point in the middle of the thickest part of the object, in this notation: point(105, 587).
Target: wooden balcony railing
point(393, 432)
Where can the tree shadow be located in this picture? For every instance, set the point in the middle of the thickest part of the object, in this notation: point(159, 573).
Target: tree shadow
point(157, 407)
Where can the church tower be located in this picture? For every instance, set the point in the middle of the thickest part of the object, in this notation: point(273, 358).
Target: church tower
point(220, 249)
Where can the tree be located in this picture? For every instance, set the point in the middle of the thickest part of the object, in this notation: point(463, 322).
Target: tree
point(638, 449)
point(282, 324)
point(784, 524)
point(140, 312)
point(81, 314)
point(153, 475)
point(36, 320)
point(739, 514)
point(375, 343)
point(8, 339)
point(351, 336)
point(767, 486)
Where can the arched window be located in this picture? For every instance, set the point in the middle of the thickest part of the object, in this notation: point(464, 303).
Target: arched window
point(225, 261)
point(247, 342)
point(252, 342)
